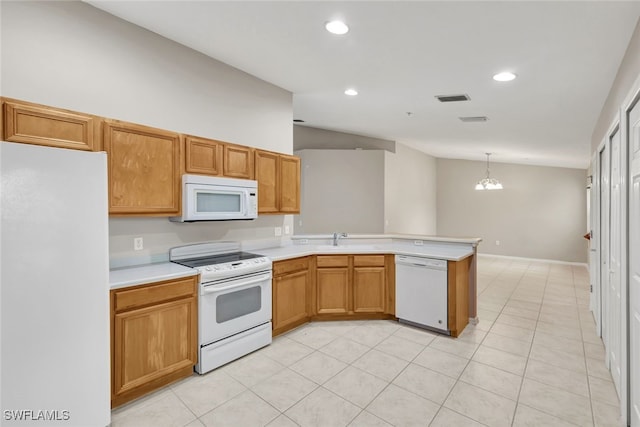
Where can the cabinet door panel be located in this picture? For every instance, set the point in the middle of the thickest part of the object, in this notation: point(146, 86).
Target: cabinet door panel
point(289, 184)
point(267, 177)
point(332, 286)
point(289, 299)
point(153, 342)
point(144, 171)
point(54, 127)
point(368, 289)
point(238, 162)
point(203, 156)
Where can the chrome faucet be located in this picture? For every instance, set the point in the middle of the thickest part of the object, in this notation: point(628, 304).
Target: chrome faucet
point(337, 236)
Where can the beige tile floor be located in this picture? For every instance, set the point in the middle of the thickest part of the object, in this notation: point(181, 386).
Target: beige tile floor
point(533, 360)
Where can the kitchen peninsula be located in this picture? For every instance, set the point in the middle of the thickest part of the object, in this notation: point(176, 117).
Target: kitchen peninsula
point(318, 277)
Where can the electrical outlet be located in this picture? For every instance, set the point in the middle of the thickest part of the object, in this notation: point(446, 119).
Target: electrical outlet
point(138, 244)
point(418, 242)
point(497, 242)
point(278, 231)
point(286, 229)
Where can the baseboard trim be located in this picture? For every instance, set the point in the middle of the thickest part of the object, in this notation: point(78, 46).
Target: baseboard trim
point(552, 261)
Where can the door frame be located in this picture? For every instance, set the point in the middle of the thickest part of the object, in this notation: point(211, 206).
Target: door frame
point(602, 289)
point(594, 253)
point(630, 101)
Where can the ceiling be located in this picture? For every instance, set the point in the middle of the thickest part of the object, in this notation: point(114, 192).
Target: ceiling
point(399, 55)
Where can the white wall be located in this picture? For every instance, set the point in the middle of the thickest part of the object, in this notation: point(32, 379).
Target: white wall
point(306, 137)
point(71, 55)
point(342, 190)
point(627, 74)
point(409, 192)
point(541, 213)
point(367, 191)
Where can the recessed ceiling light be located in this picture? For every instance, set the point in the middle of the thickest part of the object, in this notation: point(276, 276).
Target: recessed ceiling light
point(505, 76)
point(351, 92)
point(337, 27)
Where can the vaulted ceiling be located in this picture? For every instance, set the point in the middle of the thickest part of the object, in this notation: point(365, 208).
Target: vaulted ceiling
point(400, 55)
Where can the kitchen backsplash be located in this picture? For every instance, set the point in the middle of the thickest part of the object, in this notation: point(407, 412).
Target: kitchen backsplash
point(159, 235)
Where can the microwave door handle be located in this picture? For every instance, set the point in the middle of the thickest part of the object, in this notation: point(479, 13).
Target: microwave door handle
point(211, 289)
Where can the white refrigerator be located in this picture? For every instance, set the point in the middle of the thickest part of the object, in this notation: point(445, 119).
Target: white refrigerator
point(54, 290)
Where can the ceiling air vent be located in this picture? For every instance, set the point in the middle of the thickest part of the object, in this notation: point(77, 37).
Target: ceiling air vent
point(453, 98)
point(474, 119)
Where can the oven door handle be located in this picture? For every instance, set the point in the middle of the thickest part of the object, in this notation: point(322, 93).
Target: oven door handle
point(212, 289)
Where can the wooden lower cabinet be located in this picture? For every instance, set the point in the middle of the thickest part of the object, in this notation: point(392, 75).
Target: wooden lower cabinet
point(333, 290)
point(458, 295)
point(291, 293)
point(368, 289)
point(154, 336)
point(351, 285)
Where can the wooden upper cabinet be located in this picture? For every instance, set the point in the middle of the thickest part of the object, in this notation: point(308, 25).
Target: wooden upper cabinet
point(203, 156)
point(41, 125)
point(278, 177)
point(238, 162)
point(144, 169)
point(267, 177)
point(289, 184)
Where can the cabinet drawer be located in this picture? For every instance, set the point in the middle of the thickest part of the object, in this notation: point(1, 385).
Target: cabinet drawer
point(368, 260)
point(154, 293)
point(332, 261)
point(290, 265)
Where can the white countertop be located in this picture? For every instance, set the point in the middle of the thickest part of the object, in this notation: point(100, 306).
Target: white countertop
point(443, 239)
point(450, 253)
point(149, 273)
point(450, 249)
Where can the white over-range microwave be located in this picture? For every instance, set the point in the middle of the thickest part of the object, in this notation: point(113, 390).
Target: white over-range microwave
point(210, 198)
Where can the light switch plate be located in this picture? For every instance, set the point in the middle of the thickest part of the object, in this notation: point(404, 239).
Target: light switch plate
point(287, 230)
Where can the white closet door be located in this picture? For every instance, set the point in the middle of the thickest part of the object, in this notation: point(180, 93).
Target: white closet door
point(634, 264)
point(615, 309)
point(605, 207)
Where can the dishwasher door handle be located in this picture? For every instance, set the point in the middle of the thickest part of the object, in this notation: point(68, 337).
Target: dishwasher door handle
point(430, 263)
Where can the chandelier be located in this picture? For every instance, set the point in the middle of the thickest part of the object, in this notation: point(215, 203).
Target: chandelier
point(488, 183)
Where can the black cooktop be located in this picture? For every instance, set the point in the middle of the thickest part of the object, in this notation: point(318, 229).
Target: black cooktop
point(216, 259)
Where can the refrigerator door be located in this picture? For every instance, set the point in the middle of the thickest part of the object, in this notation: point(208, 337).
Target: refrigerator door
point(54, 293)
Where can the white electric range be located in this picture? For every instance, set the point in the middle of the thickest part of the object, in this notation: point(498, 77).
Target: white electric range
point(234, 302)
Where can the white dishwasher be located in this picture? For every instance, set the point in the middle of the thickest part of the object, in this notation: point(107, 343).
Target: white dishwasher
point(421, 292)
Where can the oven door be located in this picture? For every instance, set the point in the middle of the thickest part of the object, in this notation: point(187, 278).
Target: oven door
point(233, 305)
